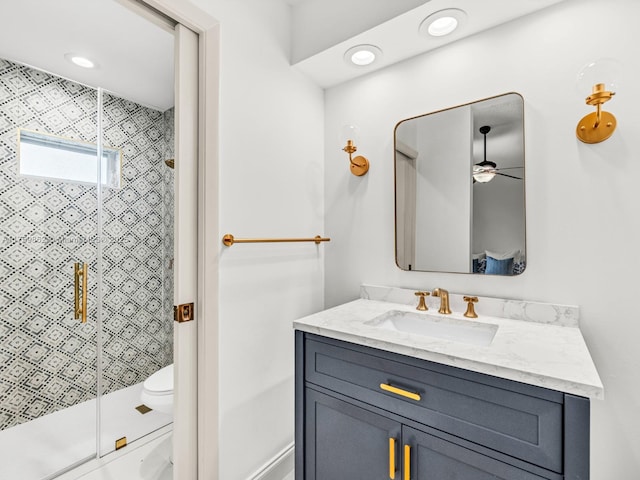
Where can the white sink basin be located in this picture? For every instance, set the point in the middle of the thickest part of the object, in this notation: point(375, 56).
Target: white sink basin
point(438, 326)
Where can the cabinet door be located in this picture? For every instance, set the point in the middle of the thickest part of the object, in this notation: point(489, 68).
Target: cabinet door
point(346, 442)
point(432, 458)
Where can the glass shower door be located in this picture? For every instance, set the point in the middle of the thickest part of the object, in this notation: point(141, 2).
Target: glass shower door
point(136, 212)
point(48, 307)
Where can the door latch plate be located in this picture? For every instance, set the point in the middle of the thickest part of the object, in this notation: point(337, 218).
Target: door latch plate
point(183, 312)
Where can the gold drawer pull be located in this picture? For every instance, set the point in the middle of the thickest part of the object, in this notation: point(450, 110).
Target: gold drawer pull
point(392, 458)
point(407, 462)
point(398, 391)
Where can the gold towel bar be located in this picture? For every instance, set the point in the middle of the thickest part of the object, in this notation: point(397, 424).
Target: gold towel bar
point(229, 240)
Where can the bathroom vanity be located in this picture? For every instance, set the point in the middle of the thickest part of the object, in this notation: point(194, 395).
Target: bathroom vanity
point(377, 399)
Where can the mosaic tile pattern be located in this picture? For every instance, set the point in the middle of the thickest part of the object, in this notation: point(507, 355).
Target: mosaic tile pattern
point(168, 197)
point(47, 359)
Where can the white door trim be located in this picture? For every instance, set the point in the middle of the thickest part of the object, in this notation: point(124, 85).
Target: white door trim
point(208, 257)
point(185, 274)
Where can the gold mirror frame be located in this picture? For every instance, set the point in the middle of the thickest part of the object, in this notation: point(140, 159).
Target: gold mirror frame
point(451, 230)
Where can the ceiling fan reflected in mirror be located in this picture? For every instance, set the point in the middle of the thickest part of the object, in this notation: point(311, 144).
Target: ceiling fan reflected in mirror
point(485, 171)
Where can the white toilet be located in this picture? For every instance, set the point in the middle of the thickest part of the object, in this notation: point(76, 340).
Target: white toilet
point(157, 390)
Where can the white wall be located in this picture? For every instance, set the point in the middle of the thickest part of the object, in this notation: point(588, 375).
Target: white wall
point(498, 222)
point(271, 185)
point(583, 226)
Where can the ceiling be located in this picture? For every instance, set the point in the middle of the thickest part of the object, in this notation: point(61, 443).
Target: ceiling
point(397, 36)
point(134, 56)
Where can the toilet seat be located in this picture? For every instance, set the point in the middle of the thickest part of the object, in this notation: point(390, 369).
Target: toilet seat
point(157, 390)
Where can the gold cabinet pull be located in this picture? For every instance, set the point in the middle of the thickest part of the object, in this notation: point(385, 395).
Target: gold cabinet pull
point(407, 462)
point(80, 304)
point(392, 458)
point(398, 391)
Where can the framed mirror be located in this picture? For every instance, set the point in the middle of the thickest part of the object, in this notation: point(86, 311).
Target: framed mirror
point(460, 189)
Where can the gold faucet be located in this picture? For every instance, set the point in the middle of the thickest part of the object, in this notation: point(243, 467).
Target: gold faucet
point(444, 300)
point(422, 306)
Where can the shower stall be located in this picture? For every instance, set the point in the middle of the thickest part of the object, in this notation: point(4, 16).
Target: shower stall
point(86, 269)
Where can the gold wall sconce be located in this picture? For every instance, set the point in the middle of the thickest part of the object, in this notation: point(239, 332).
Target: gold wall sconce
point(598, 75)
point(358, 165)
point(597, 126)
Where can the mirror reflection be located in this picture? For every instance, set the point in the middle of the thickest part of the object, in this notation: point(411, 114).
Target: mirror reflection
point(459, 189)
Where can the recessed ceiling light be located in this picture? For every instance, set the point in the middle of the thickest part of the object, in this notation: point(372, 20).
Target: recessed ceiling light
point(443, 22)
point(79, 60)
point(362, 55)
point(442, 26)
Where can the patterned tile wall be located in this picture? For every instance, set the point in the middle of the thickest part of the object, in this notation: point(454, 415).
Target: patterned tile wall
point(168, 214)
point(48, 359)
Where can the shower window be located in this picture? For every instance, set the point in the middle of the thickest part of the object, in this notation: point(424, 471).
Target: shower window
point(51, 157)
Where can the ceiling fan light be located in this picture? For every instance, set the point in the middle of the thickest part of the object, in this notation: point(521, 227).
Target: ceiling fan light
point(484, 177)
point(484, 171)
point(482, 174)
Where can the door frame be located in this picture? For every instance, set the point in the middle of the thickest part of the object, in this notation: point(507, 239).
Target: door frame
point(195, 434)
point(196, 406)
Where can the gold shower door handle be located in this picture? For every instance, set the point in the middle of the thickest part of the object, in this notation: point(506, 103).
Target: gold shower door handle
point(80, 304)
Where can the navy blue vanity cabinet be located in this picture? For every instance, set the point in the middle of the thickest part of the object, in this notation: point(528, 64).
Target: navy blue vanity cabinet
point(364, 413)
point(348, 441)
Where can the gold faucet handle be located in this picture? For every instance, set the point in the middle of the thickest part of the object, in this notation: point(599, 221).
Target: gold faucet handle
point(422, 306)
point(471, 312)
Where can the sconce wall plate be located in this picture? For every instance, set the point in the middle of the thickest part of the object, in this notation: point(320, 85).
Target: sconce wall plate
point(359, 166)
point(589, 133)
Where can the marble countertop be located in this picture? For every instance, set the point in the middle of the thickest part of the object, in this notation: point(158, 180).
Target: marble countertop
point(539, 349)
